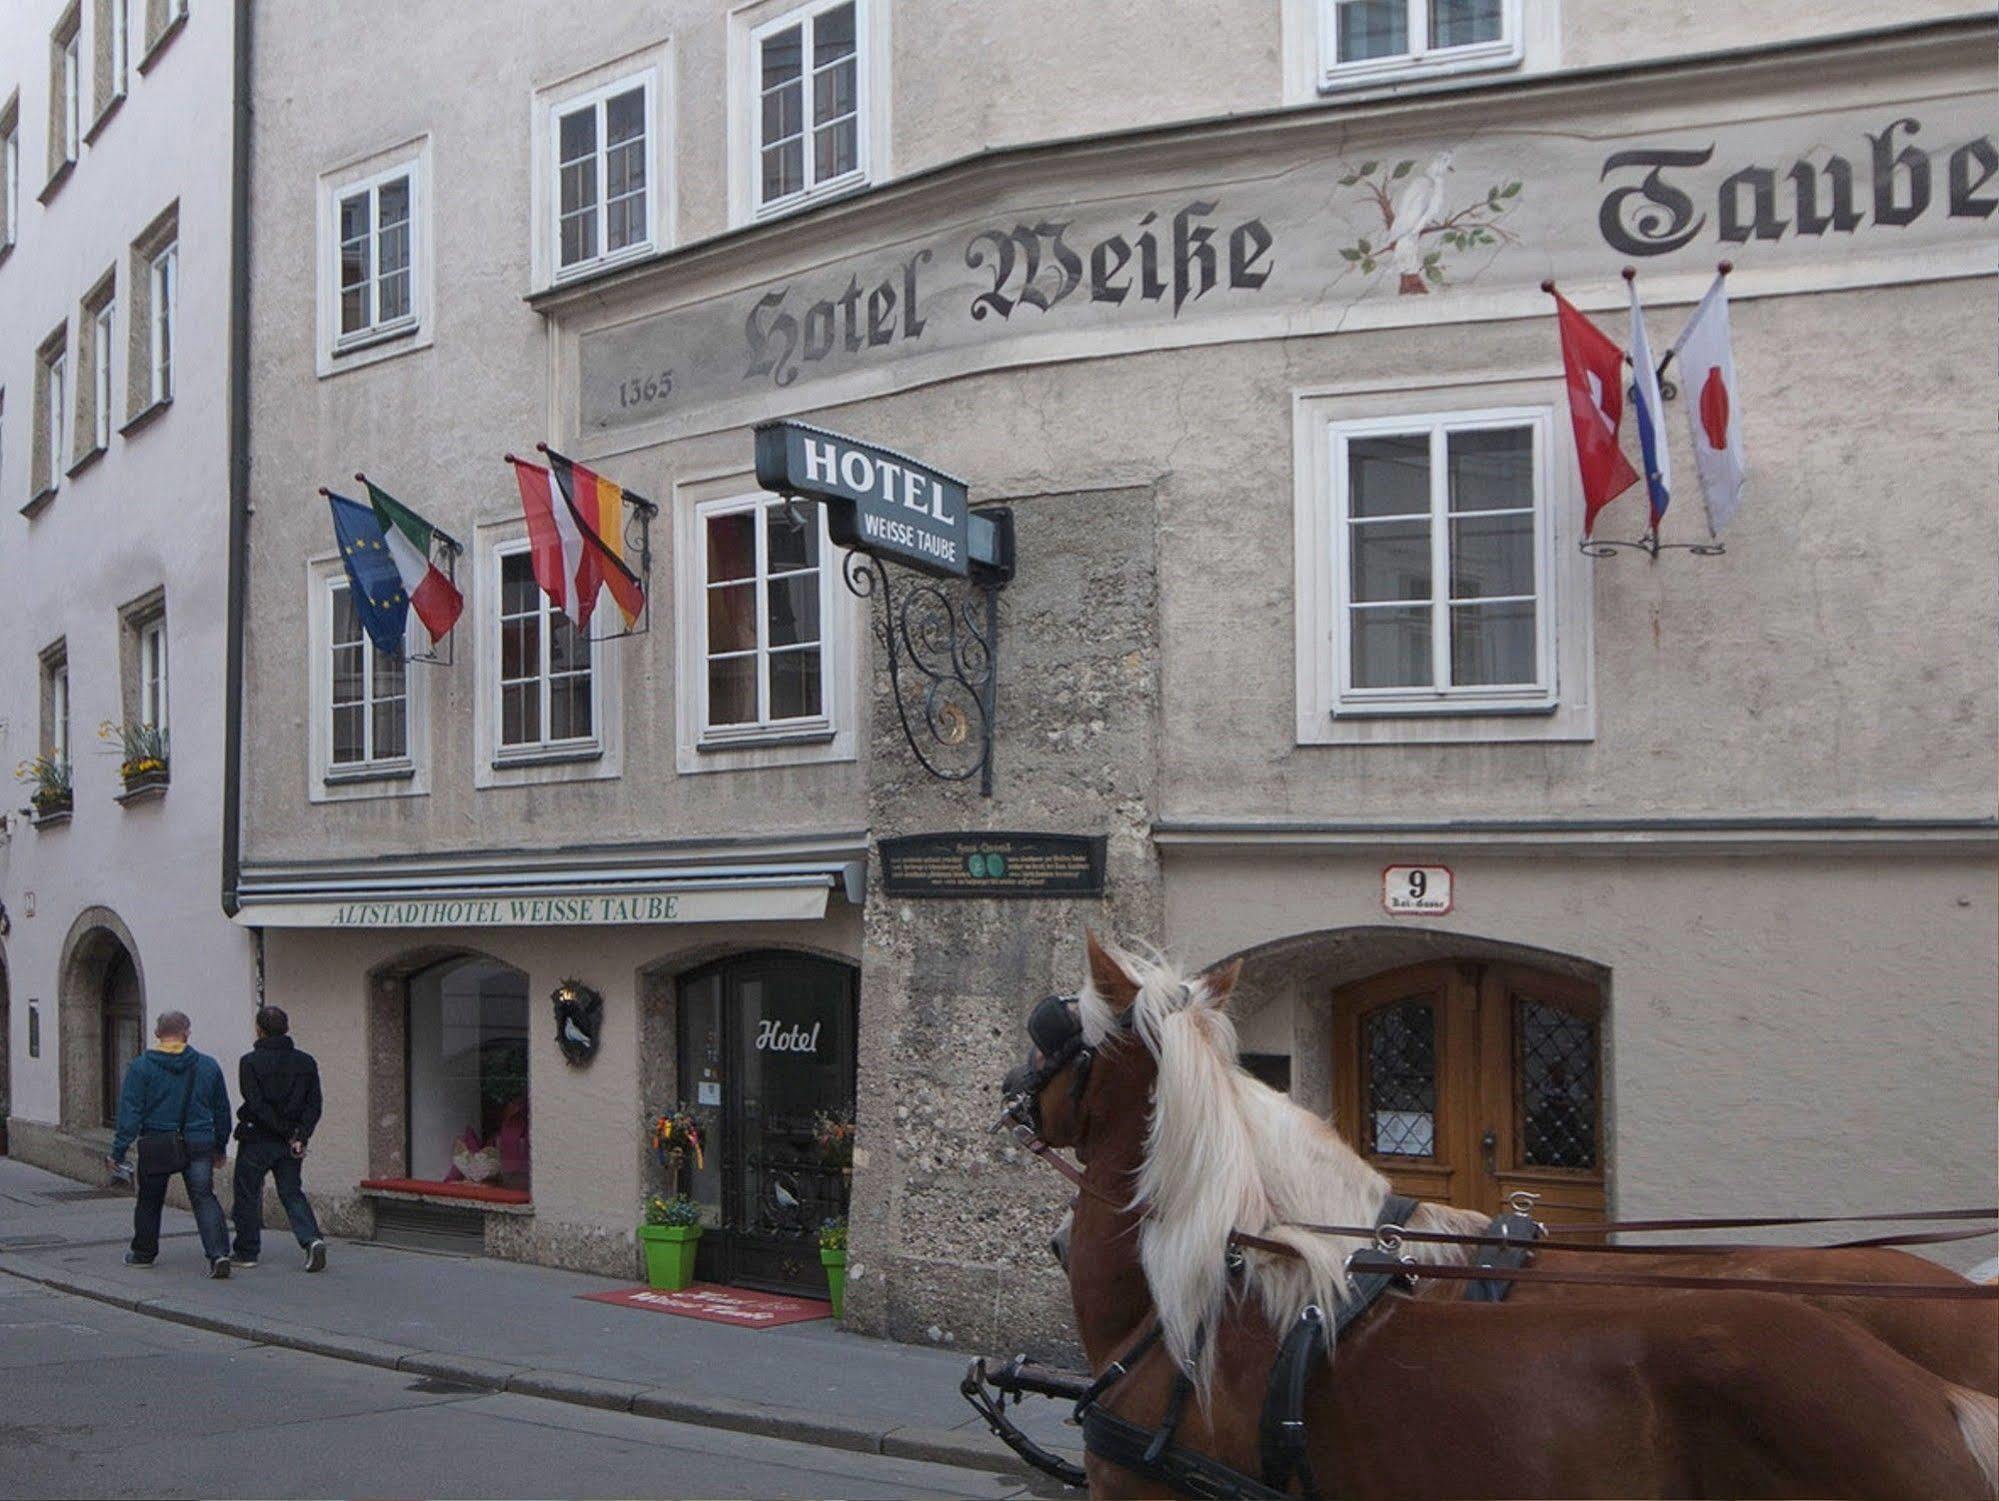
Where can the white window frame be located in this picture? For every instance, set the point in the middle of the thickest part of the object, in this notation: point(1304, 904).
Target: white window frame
point(163, 273)
point(153, 672)
point(56, 368)
point(102, 349)
point(544, 748)
point(647, 82)
point(376, 328)
point(748, 26)
point(10, 181)
point(651, 67)
point(72, 93)
point(369, 764)
point(404, 776)
point(1561, 706)
point(338, 352)
point(1421, 60)
point(121, 47)
point(806, 18)
point(59, 710)
point(764, 728)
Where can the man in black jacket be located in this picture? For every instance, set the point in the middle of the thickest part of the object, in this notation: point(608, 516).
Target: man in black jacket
point(280, 1087)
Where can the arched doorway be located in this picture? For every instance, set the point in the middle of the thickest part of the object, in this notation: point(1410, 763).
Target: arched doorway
point(100, 1017)
point(1467, 1081)
point(767, 1058)
point(121, 1028)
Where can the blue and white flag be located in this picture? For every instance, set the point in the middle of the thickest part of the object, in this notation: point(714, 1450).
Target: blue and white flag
point(1647, 409)
point(375, 584)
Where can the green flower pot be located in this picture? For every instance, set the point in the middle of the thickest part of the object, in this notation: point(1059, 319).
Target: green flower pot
point(835, 1263)
point(670, 1255)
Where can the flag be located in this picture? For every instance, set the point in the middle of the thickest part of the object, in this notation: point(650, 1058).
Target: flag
point(1594, 368)
point(598, 505)
point(555, 547)
point(1646, 411)
point(1714, 409)
point(410, 537)
point(375, 585)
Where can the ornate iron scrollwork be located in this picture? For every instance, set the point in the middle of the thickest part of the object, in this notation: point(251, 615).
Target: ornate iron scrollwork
point(1603, 547)
point(941, 662)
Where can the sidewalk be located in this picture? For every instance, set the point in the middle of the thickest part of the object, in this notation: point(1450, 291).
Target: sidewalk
point(513, 1327)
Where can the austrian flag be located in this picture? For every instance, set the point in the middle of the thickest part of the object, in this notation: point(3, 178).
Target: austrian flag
point(409, 537)
point(575, 523)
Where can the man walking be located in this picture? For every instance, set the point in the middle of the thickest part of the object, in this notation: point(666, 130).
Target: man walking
point(175, 1104)
point(280, 1107)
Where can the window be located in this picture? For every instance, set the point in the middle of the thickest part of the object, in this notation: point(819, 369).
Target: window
point(10, 173)
point(810, 105)
point(51, 414)
point(101, 399)
point(603, 175)
point(111, 49)
point(467, 1073)
point(376, 286)
point(369, 722)
point(763, 625)
point(547, 688)
point(165, 282)
point(163, 21)
point(1362, 41)
point(92, 380)
point(1438, 562)
point(121, 44)
point(1440, 593)
point(55, 703)
point(153, 674)
point(71, 82)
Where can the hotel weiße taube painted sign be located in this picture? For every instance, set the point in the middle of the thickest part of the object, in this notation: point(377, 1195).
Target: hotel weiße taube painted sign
point(737, 904)
point(1814, 176)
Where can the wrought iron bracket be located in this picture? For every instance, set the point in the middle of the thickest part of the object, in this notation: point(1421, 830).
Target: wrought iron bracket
point(942, 655)
point(1650, 545)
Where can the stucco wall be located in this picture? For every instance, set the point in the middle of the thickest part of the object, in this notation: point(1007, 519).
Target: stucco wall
point(152, 511)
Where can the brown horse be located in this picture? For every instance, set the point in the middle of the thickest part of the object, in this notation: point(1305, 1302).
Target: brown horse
point(1646, 1393)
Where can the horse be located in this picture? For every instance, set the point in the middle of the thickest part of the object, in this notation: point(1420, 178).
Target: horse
point(1649, 1392)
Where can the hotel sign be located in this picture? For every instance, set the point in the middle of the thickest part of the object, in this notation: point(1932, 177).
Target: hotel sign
point(877, 501)
point(737, 904)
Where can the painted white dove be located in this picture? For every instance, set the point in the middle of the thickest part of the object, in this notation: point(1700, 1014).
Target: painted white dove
point(1419, 205)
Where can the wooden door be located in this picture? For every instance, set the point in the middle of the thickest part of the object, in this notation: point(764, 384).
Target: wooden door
point(1465, 1082)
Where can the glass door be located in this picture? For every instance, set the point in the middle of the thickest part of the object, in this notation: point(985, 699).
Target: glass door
point(767, 1062)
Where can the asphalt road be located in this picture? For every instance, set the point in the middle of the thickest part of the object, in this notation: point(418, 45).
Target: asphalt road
point(97, 1401)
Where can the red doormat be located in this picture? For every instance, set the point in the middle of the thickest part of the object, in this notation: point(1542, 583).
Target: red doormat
point(720, 1305)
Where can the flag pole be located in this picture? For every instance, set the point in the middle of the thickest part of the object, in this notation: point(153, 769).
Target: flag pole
point(451, 543)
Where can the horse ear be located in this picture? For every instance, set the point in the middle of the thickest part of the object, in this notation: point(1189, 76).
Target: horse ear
point(1117, 988)
point(1220, 982)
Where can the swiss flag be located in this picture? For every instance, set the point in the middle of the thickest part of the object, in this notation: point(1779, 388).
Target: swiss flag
point(1594, 367)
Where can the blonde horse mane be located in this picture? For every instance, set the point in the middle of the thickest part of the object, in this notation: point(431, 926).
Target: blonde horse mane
point(1224, 1151)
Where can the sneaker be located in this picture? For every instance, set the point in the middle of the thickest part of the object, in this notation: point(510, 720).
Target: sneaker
point(241, 1262)
point(315, 1256)
point(133, 1258)
point(219, 1267)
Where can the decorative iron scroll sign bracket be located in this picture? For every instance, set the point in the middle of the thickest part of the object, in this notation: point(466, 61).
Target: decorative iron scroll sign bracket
point(942, 652)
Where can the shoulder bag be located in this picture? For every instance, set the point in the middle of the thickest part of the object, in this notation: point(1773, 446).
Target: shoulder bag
point(166, 1152)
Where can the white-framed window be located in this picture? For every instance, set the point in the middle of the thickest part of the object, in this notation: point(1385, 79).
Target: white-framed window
point(153, 673)
point(100, 356)
point(548, 698)
point(602, 148)
point(377, 248)
point(810, 106)
point(763, 626)
point(55, 379)
point(164, 279)
point(58, 736)
point(10, 172)
point(72, 94)
point(1368, 41)
point(1440, 593)
point(368, 719)
point(121, 45)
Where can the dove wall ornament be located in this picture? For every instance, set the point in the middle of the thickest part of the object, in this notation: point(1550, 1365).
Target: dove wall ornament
point(579, 1020)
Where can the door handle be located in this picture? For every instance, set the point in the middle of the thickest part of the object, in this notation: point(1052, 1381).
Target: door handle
point(1489, 1145)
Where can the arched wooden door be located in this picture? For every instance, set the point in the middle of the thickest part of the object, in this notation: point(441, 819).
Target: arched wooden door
point(1464, 1082)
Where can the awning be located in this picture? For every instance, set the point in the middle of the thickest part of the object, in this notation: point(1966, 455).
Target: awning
point(681, 883)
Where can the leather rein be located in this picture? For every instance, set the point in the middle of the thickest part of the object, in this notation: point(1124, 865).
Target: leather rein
point(1390, 1238)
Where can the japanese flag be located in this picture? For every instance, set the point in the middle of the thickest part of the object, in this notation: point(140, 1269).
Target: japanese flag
point(1714, 405)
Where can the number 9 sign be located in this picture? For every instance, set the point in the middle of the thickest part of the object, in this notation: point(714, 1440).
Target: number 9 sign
point(1416, 890)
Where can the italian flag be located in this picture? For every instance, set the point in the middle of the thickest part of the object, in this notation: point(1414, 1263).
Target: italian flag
point(409, 536)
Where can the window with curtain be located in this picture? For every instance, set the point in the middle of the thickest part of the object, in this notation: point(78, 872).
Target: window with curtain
point(763, 617)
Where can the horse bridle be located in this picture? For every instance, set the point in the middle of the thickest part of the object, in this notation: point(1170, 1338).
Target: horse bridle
point(1055, 1027)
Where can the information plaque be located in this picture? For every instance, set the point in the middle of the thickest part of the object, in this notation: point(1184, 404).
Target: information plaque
point(993, 865)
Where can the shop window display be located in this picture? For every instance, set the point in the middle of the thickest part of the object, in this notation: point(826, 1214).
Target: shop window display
point(468, 1075)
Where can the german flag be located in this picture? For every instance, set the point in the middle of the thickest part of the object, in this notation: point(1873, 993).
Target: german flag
point(598, 506)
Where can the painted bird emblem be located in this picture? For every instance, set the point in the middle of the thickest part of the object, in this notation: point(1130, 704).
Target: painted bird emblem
point(1418, 207)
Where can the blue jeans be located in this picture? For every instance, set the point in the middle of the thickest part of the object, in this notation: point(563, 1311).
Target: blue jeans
point(199, 1176)
point(253, 1160)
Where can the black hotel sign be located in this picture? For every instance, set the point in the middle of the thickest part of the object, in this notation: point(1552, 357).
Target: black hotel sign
point(877, 501)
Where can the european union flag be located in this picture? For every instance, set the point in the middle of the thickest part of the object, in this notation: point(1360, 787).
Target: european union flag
point(375, 586)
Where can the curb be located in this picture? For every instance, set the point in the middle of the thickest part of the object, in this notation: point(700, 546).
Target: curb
point(961, 1448)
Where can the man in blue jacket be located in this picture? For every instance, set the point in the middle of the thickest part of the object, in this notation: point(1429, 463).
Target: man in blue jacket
point(171, 1088)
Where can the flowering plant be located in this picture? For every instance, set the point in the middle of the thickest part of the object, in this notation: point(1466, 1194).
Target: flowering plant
point(833, 1131)
point(833, 1235)
point(678, 1210)
point(50, 776)
point(144, 747)
point(674, 1135)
